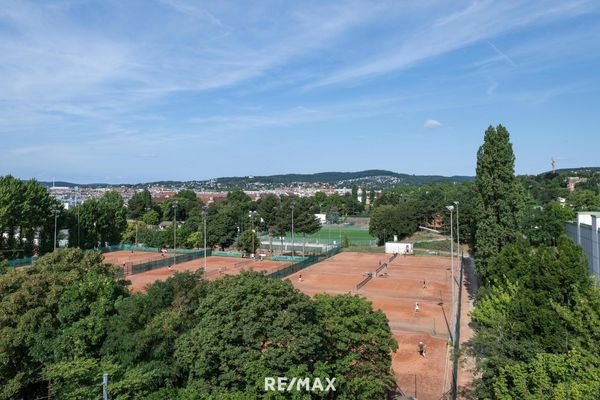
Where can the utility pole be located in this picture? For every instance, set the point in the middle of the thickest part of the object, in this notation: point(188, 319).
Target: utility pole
point(293, 206)
point(174, 230)
point(205, 215)
point(78, 209)
point(55, 211)
point(253, 233)
point(453, 322)
point(105, 386)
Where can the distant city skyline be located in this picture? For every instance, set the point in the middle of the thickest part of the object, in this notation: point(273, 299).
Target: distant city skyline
point(128, 91)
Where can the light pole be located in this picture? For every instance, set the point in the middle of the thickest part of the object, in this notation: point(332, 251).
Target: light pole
point(458, 248)
point(452, 316)
point(55, 211)
point(174, 228)
point(293, 206)
point(78, 208)
point(329, 232)
point(205, 215)
point(251, 215)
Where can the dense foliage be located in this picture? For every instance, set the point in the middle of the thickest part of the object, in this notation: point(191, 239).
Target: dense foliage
point(25, 215)
point(537, 315)
point(538, 325)
point(498, 197)
point(68, 319)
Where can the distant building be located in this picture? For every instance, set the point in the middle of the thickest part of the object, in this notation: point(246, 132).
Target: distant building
point(572, 181)
point(585, 231)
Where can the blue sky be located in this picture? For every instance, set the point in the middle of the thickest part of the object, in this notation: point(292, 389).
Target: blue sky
point(130, 91)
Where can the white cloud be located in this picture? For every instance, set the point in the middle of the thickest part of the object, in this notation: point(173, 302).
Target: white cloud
point(432, 124)
point(478, 21)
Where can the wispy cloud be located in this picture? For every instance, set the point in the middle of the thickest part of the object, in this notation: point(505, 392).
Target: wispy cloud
point(502, 55)
point(53, 59)
point(432, 124)
point(478, 21)
point(102, 81)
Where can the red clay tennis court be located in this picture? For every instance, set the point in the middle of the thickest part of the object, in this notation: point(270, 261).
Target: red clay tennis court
point(121, 257)
point(215, 268)
point(409, 280)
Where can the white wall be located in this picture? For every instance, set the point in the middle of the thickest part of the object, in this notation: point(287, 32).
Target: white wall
point(585, 232)
point(398, 247)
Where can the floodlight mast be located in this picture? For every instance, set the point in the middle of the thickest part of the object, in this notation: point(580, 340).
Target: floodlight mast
point(293, 206)
point(452, 314)
point(458, 257)
point(174, 229)
point(205, 215)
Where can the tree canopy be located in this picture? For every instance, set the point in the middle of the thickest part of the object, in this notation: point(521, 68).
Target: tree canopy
point(69, 318)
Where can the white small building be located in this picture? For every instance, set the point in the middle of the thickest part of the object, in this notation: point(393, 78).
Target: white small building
point(398, 248)
point(322, 218)
point(585, 231)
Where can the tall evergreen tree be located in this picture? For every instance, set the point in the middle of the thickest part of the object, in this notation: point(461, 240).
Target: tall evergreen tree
point(306, 222)
point(498, 197)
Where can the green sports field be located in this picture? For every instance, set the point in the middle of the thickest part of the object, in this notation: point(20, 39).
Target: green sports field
point(356, 235)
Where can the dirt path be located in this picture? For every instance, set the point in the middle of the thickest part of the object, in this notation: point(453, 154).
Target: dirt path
point(467, 364)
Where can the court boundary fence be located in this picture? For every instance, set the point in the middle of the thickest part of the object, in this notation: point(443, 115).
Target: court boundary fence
point(20, 262)
point(305, 263)
point(167, 261)
point(121, 247)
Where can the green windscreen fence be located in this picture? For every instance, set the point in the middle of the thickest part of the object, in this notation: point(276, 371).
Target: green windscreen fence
point(167, 261)
point(235, 254)
point(119, 247)
point(304, 263)
point(20, 262)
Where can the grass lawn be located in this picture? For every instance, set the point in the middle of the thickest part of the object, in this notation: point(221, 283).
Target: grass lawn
point(355, 234)
point(439, 246)
point(365, 249)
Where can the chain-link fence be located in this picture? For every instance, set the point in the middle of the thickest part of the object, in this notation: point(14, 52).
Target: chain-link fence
point(304, 263)
point(167, 261)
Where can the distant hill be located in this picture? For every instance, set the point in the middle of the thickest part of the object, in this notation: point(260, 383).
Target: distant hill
point(371, 178)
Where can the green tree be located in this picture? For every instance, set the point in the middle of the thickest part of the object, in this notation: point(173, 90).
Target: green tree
point(26, 213)
point(346, 241)
point(249, 328)
point(187, 203)
point(139, 204)
point(523, 309)
point(195, 240)
point(248, 242)
point(387, 221)
point(222, 225)
point(54, 311)
point(498, 197)
point(151, 217)
point(358, 346)
point(322, 201)
point(305, 221)
point(268, 209)
point(584, 200)
point(101, 221)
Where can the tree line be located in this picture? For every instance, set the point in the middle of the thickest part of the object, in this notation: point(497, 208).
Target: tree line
point(69, 319)
point(26, 218)
point(537, 315)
